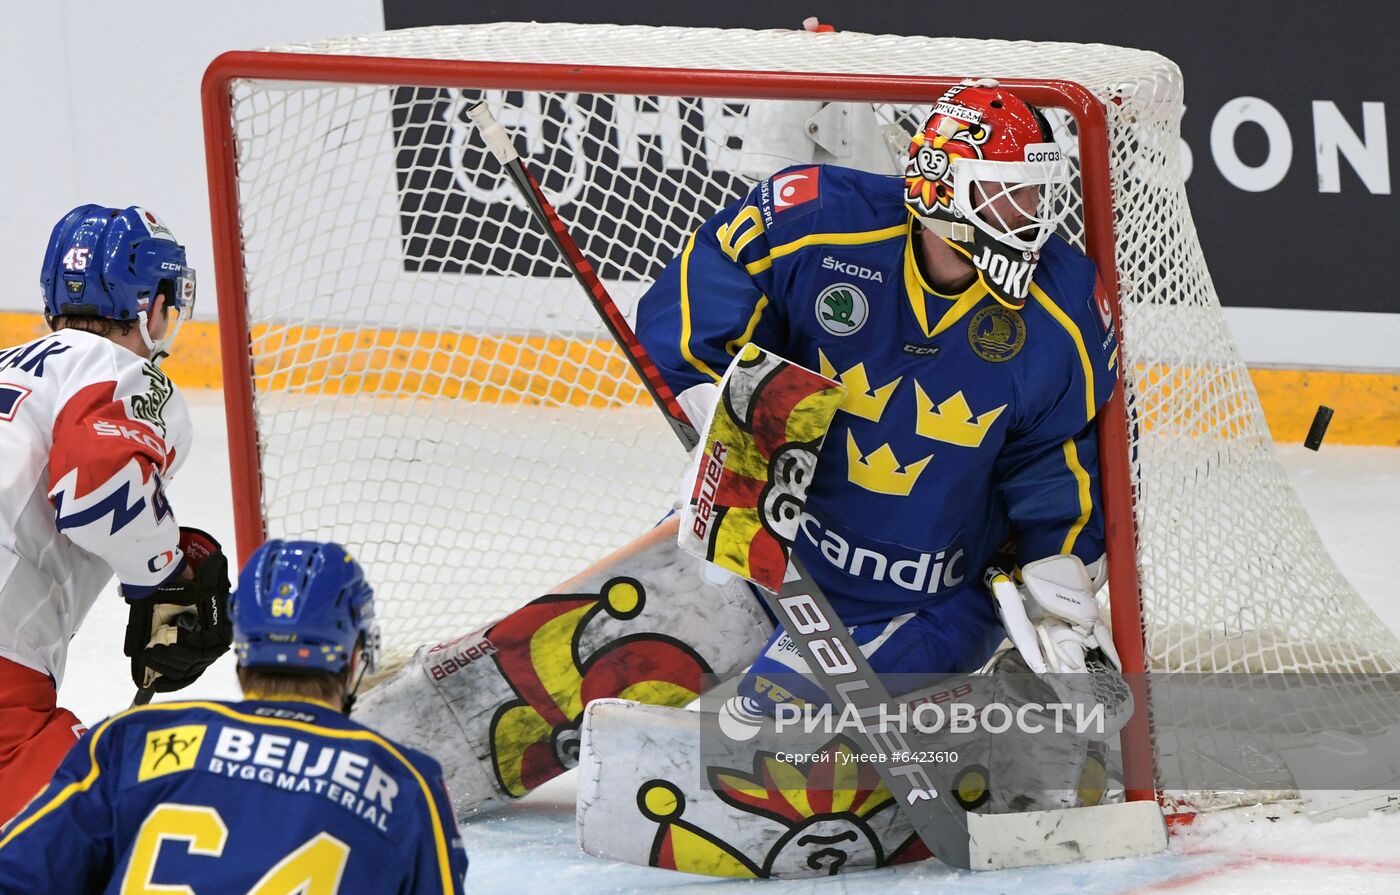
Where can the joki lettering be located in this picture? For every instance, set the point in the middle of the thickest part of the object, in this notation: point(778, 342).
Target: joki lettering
point(1013, 276)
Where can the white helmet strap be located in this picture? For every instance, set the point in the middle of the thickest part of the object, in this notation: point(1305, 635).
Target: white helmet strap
point(956, 231)
point(159, 348)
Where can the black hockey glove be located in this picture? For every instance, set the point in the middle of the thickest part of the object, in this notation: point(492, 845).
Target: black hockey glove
point(178, 631)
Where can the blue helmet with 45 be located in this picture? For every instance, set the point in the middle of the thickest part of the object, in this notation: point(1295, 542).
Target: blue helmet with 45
point(303, 606)
point(111, 262)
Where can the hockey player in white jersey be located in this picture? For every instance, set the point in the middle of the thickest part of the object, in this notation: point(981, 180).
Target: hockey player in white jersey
point(92, 431)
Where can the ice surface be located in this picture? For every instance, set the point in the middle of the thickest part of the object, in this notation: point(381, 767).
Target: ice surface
point(1353, 496)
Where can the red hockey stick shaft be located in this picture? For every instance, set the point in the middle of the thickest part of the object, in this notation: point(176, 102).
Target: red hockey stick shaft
point(498, 142)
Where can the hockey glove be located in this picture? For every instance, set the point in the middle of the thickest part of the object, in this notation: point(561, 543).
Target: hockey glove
point(1054, 620)
point(182, 628)
point(1061, 633)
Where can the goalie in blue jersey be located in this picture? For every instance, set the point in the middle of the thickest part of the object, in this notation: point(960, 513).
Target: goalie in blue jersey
point(977, 348)
point(279, 793)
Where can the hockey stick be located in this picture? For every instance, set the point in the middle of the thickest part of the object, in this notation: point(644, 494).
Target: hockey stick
point(498, 142)
point(839, 666)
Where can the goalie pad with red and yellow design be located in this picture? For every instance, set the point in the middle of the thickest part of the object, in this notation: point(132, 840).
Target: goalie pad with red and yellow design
point(754, 464)
point(499, 707)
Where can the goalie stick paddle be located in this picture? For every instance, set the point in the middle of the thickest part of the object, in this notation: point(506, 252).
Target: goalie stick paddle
point(839, 666)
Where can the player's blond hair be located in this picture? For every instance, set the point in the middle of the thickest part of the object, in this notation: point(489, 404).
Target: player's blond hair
point(265, 683)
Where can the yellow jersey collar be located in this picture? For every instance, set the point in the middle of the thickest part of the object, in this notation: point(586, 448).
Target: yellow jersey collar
point(917, 289)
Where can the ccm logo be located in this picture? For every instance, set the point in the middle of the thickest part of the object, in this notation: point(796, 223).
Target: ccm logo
point(711, 469)
point(161, 560)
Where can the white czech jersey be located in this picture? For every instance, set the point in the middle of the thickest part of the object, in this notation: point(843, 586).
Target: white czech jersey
point(90, 432)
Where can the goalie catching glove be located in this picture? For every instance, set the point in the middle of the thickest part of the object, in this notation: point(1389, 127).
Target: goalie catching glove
point(1053, 619)
point(183, 627)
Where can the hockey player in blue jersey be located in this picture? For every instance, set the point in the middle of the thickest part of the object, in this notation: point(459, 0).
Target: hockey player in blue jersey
point(977, 348)
point(279, 793)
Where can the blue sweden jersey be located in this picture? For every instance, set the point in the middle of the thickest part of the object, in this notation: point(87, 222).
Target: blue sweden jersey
point(966, 420)
point(257, 797)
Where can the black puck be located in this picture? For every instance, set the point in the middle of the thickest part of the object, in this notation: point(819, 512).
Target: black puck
point(1319, 428)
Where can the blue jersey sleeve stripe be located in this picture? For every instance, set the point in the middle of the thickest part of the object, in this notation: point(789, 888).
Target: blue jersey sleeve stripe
point(68, 791)
point(1063, 319)
point(1086, 506)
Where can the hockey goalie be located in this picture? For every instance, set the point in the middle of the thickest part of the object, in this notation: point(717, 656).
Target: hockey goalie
point(898, 377)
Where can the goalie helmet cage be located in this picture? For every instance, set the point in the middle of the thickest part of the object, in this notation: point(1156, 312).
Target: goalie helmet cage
point(409, 370)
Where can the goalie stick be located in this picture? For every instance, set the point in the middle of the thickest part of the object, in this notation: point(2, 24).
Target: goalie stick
point(498, 142)
point(842, 670)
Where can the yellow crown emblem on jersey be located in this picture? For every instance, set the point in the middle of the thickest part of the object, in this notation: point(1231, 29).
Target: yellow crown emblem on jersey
point(952, 421)
point(861, 400)
point(880, 471)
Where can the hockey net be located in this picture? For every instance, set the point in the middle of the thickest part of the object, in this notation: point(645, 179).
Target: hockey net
point(411, 371)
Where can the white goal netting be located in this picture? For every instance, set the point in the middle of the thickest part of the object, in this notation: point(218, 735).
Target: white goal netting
point(429, 386)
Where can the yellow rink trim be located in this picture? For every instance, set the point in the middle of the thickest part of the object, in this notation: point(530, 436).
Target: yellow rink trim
point(1366, 405)
point(431, 364)
point(584, 372)
point(194, 365)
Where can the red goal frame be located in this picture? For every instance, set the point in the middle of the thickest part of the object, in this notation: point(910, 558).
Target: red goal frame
point(1086, 109)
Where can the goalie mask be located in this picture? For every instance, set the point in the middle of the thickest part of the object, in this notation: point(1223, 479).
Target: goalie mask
point(986, 175)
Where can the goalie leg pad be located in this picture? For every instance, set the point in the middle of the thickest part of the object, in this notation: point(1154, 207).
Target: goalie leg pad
point(499, 707)
point(781, 813)
point(1044, 761)
point(641, 801)
point(757, 800)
